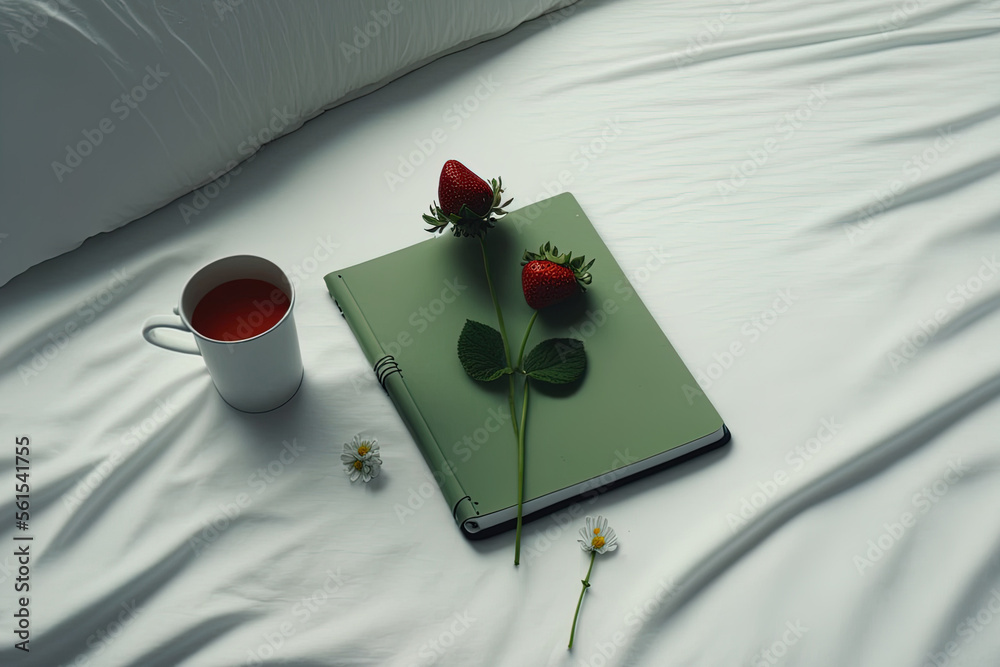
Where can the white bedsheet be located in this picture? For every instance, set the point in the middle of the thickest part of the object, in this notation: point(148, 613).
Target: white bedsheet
point(837, 162)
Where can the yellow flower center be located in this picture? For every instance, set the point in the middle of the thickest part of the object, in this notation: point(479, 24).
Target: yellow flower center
point(364, 449)
point(598, 541)
point(357, 465)
point(597, 531)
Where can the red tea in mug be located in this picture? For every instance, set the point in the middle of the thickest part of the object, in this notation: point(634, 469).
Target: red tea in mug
point(239, 309)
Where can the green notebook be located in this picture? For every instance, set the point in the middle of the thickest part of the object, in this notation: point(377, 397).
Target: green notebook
point(636, 409)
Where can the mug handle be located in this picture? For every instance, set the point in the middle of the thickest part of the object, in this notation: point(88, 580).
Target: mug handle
point(168, 322)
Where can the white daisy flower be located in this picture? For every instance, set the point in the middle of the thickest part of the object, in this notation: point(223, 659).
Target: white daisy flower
point(597, 539)
point(361, 459)
point(597, 536)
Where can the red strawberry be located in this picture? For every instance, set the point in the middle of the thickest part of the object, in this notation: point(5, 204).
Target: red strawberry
point(459, 187)
point(468, 203)
point(548, 277)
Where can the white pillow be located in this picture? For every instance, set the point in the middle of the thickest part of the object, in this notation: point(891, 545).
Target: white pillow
point(111, 110)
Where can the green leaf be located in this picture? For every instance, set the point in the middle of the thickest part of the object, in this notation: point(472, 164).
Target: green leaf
point(480, 349)
point(556, 360)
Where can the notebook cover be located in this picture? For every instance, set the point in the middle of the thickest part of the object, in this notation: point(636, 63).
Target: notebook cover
point(636, 400)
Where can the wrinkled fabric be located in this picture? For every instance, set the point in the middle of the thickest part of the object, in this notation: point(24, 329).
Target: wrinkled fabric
point(806, 197)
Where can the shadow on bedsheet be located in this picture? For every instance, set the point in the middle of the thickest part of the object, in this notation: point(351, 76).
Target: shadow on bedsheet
point(879, 457)
point(535, 525)
point(65, 641)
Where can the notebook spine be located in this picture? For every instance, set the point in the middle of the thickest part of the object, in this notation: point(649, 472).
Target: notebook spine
point(390, 376)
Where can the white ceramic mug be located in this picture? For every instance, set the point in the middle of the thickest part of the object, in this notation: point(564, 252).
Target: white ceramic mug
point(253, 374)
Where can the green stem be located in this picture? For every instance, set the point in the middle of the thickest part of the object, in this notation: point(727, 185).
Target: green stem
point(496, 304)
point(510, 404)
point(520, 474)
point(520, 441)
point(503, 335)
point(531, 323)
point(518, 433)
point(586, 585)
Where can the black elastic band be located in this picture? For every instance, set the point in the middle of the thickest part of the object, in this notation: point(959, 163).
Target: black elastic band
point(385, 367)
point(454, 510)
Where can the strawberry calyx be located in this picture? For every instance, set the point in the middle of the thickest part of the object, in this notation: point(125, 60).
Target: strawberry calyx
point(549, 253)
point(467, 222)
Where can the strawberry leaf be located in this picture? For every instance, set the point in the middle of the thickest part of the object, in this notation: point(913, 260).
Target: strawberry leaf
point(480, 349)
point(557, 361)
